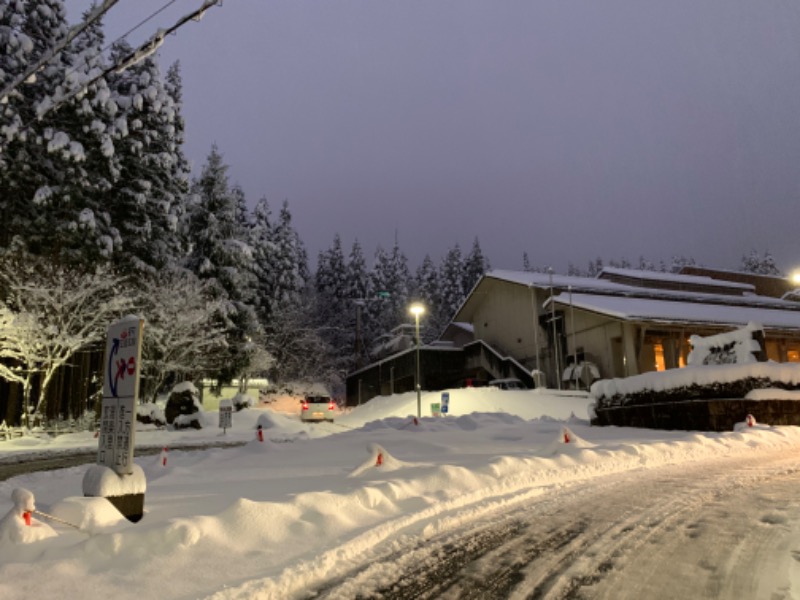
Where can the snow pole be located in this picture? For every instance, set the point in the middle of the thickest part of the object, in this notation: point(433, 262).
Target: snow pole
point(260, 434)
point(565, 433)
point(164, 457)
point(379, 460)
point(56, 519)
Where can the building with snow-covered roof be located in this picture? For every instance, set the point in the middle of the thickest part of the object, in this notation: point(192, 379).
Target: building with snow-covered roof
point(624, 321)
point(566, 331)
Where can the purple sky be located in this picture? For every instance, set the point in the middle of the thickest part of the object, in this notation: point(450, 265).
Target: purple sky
point(566, 129)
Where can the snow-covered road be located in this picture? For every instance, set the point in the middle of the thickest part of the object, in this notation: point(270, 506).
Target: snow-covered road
point(493, 504)
point(717, 528)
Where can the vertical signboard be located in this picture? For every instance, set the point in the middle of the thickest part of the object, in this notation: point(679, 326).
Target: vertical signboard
point(445, 402)
point(120, 393)
point(225, 415)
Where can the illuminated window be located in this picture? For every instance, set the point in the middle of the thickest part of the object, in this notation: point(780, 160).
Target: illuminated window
point(658, 350)
point(793, 355)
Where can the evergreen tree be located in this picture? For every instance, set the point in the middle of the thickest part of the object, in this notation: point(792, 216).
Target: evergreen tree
point(52, 168)
point(679, 261)
point(358, 292)
point(475, 265)
point(451, 276)
point(151, 184)
point(220, 256)
point(263, 245)
point(760, 265)
point(428, 290)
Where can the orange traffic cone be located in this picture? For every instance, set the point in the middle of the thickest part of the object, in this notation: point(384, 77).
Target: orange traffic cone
point(379, 462)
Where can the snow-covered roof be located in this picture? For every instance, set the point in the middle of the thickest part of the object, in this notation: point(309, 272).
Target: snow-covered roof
point(678, 278)
point(589, 285)
point(543, 280)
point(667, 311)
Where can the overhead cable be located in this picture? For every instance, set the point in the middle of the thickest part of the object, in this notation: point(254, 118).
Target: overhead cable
point(140, 53)
point(98, 12)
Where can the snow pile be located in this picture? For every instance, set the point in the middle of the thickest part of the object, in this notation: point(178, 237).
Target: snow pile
point(734, 347)
point(275, 519)
point(18, 526)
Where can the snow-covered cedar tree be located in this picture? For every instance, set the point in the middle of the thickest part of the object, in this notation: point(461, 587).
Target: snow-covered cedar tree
point(451, 277)
point(183, 338)
point(760, 265)
point(475, 265)
point(219, 255)
point(151, 180)
point(428, 290)
point(263, 247)
point(58, 311)
point(53, 169)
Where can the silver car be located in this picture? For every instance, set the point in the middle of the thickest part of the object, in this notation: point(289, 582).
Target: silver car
point(317, 408)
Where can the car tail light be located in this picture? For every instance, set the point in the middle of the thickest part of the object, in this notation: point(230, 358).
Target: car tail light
point(305, 405)
point(331, 405)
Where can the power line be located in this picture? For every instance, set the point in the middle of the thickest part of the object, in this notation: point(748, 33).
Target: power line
point(140, 53)
point(58, 47)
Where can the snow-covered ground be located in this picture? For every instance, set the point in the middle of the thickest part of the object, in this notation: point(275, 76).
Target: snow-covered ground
point(274, 519)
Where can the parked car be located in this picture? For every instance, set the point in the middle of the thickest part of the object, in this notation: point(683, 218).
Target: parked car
point(317, 408)
point(508, 384)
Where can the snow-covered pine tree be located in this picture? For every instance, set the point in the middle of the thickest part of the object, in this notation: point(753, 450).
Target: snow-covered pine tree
point(427, 288)
point(291, 330)
point(759, 264)
point(264, 250)
point(291, 263)
point(475, 265)
point(152, 178)
point(451, 277)
point(358, 292)
point(390, 279)
point(220, 256)
point(52, 166)
point(679, 261)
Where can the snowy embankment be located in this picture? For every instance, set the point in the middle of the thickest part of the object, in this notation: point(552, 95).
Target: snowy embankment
point(272, 519)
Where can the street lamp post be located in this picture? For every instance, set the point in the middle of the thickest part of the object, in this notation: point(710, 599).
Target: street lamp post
point(416, 310)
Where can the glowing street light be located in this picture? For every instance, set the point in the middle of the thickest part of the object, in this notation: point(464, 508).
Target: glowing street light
point(795, 278)
point(417, 309)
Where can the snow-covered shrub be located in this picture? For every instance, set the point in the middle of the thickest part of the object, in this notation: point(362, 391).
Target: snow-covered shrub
point(151, 414)
point(183, 408)
point(242, 401)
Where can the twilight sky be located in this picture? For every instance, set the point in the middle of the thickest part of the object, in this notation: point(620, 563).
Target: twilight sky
point(566, 129)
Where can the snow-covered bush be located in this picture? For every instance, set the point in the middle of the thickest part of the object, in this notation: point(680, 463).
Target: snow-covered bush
point(151, 414)
point(242, 401)
point(183, 408)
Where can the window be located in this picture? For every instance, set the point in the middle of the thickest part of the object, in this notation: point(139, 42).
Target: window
point(658, 350)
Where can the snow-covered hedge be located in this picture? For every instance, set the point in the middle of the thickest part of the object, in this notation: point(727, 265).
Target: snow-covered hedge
point(694, 383)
